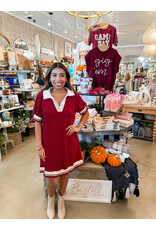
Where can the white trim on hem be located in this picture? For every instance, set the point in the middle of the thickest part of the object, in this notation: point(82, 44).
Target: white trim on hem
point(62, 171)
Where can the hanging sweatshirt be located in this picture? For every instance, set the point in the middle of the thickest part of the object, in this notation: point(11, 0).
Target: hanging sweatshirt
point(102, 67)
point(81, 50)
point(102, 37)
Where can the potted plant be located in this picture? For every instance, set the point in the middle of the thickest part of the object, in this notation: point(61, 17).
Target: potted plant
point(2, 143)
point(19, 126)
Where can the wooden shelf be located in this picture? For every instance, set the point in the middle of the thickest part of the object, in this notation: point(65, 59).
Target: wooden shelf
point(144, 120)
point(143, 138)
point(13, 108)
point(17, 71)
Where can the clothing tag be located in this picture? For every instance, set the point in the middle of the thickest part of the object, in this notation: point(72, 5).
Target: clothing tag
point(127, 175)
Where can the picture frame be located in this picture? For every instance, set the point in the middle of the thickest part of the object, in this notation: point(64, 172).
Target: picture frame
point(130, 66)
point(67, 49)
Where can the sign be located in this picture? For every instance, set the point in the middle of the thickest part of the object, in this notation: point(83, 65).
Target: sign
point(89, 190)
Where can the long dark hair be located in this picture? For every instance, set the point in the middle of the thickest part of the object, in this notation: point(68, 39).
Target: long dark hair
point(58, 65)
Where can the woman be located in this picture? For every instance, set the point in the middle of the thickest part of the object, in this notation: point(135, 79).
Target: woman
point(57, 141)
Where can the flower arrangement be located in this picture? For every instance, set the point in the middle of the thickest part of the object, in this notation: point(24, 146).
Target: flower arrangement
point(19, 121)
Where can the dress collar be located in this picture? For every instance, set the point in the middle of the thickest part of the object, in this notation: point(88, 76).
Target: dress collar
point(47, 94)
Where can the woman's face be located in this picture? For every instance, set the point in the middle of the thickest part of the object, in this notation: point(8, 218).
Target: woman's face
point(58, 78)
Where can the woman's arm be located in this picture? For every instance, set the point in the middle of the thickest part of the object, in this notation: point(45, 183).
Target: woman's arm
point(71, 129)
point(38, 134)
point(83, 120)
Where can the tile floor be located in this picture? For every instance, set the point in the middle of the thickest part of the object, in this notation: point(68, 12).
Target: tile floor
point(22, 193)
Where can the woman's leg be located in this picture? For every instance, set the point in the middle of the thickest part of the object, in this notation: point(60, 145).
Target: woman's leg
point(52, 185)
point(63, 184)
point(62, 189)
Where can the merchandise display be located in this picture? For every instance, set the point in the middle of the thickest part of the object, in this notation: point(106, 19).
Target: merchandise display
point(115, 88)
point(106, 35)
point(81, 50)
point(102, 67)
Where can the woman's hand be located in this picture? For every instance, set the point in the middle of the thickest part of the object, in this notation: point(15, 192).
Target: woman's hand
point(72, 129)
point(41, 154)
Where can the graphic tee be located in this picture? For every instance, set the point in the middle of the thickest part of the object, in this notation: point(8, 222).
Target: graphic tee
point(102, 37)
point(81, 50)
point(102, 67)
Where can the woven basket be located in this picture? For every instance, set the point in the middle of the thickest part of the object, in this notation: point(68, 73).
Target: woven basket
point(16, 137)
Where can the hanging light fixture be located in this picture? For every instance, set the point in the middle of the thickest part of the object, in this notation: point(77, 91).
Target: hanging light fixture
point(30, 27)
point(149, 50)
point(81, 15)
point(51, 43)
point(149, 36)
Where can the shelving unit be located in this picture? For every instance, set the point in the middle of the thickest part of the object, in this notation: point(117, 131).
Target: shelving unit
point(13, 108)
point(142, 109)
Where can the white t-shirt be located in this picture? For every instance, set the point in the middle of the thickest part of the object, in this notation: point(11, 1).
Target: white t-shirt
point(81, 50)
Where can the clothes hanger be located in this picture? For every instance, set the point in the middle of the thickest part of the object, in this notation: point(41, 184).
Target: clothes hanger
point(103, 48)
point(86, 42)
point(103, 26)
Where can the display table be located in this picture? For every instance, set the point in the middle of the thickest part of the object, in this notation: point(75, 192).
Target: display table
point(91, 172)
point(138, 108)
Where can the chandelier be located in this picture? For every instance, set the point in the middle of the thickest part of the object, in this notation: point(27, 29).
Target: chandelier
point(92, 18)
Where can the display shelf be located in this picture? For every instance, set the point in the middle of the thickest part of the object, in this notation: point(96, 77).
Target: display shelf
point(13, 108)
point(101, 98)
point(45, 66)
point(142, 109)
point(17, 71)
point(107, 132)
point(143, 138)
point(26, 90)
point(144, 120)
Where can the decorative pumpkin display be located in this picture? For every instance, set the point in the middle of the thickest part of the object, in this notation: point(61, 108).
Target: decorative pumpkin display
point(98, 154)
point(114, 160)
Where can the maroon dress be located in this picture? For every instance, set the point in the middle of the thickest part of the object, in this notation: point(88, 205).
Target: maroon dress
point(63, 153)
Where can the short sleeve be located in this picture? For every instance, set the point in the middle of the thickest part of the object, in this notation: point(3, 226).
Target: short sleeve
point(115, 38)
point(38, 113)
point(80, 105)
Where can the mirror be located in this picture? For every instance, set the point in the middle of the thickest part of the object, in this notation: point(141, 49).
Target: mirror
point(4, 41)
point(20, 44)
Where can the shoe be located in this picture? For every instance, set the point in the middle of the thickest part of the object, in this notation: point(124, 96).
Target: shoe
point(51, 207)
point(61, 206)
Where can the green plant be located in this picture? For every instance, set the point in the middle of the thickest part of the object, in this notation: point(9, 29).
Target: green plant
point(2, 141)
point(96, 106)
point(19, 121)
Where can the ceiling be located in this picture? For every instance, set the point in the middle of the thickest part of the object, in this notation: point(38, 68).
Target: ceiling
point(130, 25)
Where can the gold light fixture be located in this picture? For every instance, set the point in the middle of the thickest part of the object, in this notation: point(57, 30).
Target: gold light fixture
point(80, 15)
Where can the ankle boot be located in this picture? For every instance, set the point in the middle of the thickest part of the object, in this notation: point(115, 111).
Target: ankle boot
point(51, 207)
point(61, 207)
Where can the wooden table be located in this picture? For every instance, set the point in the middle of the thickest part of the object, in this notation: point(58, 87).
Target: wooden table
point(143, 109)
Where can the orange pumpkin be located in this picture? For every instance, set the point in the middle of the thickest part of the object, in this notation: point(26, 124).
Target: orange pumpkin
point(114, 160)
point(98, 154)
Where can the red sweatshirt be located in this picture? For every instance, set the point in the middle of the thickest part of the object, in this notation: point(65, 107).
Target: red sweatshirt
point(102, 67)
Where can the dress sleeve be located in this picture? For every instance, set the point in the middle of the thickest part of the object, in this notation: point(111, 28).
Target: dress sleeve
point(38, 113)
point(80, 105)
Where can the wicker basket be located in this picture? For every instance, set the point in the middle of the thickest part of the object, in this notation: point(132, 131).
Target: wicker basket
point(16, 137)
